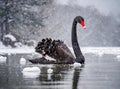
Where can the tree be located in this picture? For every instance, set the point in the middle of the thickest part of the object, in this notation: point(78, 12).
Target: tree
point(16, 14)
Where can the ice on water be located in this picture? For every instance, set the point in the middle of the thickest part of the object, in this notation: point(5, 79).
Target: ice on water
point(31, 72)
point(22, 61)
point(50, 70)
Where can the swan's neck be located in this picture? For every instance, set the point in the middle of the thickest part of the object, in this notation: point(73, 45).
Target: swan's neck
point(75, 43)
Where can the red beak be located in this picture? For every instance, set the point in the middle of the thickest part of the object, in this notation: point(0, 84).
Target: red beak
point(83, 24)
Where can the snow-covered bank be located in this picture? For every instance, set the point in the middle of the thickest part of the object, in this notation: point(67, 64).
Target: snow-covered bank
point(101, 50)
point(17, 50)
point(104, 50)
point(3, 59)
point(94, 50)
point(1, 45)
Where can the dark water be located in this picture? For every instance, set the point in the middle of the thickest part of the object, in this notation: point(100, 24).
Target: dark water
point(97, 73)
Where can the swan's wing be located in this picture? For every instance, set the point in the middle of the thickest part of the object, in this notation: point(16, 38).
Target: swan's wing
point(63, 51)
point(41, 60)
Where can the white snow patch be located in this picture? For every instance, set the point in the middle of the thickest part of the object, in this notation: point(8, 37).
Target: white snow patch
point(49, 71)
point(18, 44)
point(17, 50)
point(76, 65)
point(10, 36)
point(31, 72)
point(22, 61)
point(95, 50)
point(118, 57)
point(100, 54)
point(3, 59)
point(100, 50)
point(10, 20)
point(1, 45)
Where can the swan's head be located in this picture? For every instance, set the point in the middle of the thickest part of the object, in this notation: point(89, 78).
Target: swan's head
point(80, 20)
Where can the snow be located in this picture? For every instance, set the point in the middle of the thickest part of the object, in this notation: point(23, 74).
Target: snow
point(31, 72)
point(118, 57)
point(76, 65)
point(3, 59)
point(18, 44)
point(100, 50)
point(25, 49)
point(22, 61)
point(1, 45)
point(20, 50)
point(10, 36)
point(95, 50)
point(49, 71)
point(31, 69)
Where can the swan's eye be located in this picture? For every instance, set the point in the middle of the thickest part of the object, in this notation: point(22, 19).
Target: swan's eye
point(82, 24)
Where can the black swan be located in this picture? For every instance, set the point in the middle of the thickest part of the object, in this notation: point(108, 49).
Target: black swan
point(58, 50)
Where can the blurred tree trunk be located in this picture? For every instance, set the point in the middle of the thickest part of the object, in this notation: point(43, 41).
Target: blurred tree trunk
point(2, 32)
point(6, 22)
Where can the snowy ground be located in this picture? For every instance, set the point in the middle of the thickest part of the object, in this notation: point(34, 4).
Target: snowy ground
point(17, 50)
point(9, 50)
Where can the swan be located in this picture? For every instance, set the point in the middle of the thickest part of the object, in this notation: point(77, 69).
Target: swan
point(58, 50)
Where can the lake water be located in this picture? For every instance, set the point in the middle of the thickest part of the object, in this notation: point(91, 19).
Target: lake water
point(99, 72)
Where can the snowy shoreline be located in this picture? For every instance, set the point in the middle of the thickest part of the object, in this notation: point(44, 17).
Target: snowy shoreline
point(25, 50)
point(94, 50)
